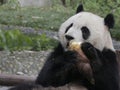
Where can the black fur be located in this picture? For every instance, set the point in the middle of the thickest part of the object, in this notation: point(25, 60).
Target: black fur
point(68, 27)
point(59, 69)
point(85, 32)
point(109, 21)
point(62, 69)
point(79, 8)
point(104, 66)
point(69, 38)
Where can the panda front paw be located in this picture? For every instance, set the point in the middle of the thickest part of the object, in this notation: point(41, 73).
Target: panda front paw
point(94, 55)
point(89, 50)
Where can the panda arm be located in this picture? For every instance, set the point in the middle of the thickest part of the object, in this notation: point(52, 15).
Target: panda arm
point(59, 68)
point(108, 74)
point(104, 66)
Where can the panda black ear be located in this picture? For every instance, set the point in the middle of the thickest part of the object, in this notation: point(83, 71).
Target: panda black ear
point(79, 8)
point(109, 21)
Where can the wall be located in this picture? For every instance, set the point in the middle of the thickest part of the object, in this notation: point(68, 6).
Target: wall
point(35, 3)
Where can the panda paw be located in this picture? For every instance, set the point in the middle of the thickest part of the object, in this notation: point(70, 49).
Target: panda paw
point(89, 50)
point(93, 55)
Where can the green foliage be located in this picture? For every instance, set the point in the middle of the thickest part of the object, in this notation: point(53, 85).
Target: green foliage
point(116, 34)
point(3, 2)
point(42, 43)
point(44, 18)
point(50, 18)
point(15, 40)
point(11, 5)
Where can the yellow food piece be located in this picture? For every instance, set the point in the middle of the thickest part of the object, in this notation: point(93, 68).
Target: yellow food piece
point(75, 45)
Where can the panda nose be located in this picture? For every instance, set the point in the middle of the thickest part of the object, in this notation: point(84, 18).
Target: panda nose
point(68, 37)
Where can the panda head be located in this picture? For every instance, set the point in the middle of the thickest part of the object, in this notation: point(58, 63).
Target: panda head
point(87, 27)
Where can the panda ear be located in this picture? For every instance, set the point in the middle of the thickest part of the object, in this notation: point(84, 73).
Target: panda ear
point(79, 8)
point(109, 21)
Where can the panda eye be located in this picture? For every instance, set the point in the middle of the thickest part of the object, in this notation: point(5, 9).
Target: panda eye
point(68, 27)
point(85, 32)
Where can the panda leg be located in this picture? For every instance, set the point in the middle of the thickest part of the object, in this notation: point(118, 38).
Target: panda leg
point(104, 66)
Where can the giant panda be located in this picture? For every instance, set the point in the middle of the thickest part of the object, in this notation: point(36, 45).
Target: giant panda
point(61, 67)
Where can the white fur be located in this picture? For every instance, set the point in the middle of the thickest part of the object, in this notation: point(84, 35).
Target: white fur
point(99, 33)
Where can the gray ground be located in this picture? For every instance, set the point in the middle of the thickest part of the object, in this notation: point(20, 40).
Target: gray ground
point(23, 62)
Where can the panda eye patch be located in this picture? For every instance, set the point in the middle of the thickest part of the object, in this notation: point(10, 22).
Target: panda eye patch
point(68, 27)
point(85, 32)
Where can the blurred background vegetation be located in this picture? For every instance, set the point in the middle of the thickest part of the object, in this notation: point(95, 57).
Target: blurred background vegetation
point(47, 18)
